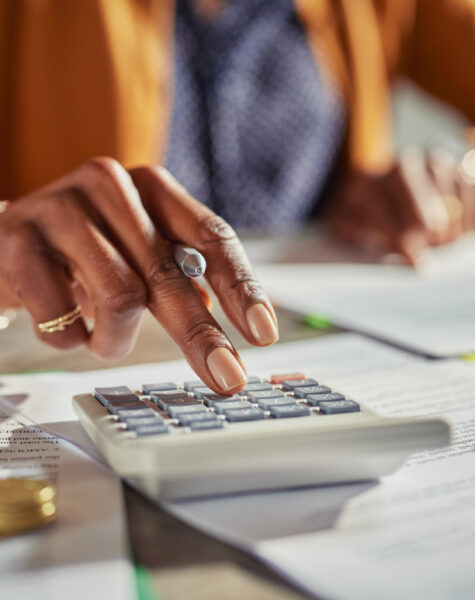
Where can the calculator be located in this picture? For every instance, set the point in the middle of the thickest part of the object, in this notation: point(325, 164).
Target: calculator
point(174, 440)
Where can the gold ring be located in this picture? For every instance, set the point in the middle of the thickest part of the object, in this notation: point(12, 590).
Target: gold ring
point(60, 323)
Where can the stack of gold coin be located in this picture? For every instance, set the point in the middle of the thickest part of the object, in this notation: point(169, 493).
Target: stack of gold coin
point(25, 504)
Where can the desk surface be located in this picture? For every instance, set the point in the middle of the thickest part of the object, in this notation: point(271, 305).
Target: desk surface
point(183, 561)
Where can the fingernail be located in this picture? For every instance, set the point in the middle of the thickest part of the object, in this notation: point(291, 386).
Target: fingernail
point(261, 324)
point(225, 369)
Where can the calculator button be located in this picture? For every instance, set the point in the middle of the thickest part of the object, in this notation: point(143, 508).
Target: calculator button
point(255, 387)
point(255, 396)
point(114, 407)
point(195, 417)
point(290, 385)
point(117, 394)
point(278, 379)
point(168, 394)
point(191, 385)
point(202, 391)
point(244, 414)
point(254, 379)
point(213, 399)
point(185, 409)
point(138, 422)
point(158, 429)
point(203, 425)
point(222, 408)
point(338, 406)
point(148, 388)
point(303, 392)
point(295, 410)
point(135, 412)
point(315, 399)
point(266, 403)
point(164, 403)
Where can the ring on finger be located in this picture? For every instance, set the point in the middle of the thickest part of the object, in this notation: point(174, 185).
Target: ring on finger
point(60, 323)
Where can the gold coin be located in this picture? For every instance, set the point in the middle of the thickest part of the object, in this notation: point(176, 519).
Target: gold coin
point(17, 492)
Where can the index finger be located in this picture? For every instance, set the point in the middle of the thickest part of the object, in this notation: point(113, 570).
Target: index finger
point(182, 218)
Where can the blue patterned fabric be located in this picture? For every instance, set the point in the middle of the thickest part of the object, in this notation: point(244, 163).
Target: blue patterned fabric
point(255, 130)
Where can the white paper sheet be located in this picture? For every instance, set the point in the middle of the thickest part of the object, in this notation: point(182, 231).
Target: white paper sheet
point(431, 311)
point(84, 554)
point(409, 536)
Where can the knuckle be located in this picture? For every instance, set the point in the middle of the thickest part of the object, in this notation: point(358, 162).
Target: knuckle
point(161, 272)
point(125, 302)
point(204, 333)
point(215, 230)
point(104, 170)
point(21, 242)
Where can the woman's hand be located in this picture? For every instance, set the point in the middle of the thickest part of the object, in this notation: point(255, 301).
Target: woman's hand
point(423, 201)
point(102, 236)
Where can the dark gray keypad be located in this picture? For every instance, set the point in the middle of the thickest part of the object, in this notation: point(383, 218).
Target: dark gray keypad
point(186, 409)
point(291, 384)
point(148, 388)
point(195, 417)
point(164, 403)
point(158, 429)
point(315, 399)
point(284, 412)
point(338, 406)
point(136, 412)
point(213, 399)
point(303, 392)
point(225, 406)
point(266, 403)
point(201, 392)
point(191, 385)
point(138, 422)
point(255, 387)
point(121, 393)
point(204, 425)
point(244, 414)
point(114, 407)
point(255, 396)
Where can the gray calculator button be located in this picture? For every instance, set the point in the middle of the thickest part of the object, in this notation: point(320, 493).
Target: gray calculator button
point(168, 394)
point(295, 410)
point(291, 384)
point(255, 396)
point(244, 414)
point(267, 403)
point(151, 430)
point(315, 399)
point(121, 393)
point(255, 387)
point(195, 417)
point(213, 399)
point(138, 422)
point(164, 403)
point(303, 392)
point(135, 412)
point(222, 408)
point(191, 385)
point(253, 379)
point(203, 425)
point(114, 407)
point(338, 406)
point(148, 388)
point(202, 391)
point(186, 409)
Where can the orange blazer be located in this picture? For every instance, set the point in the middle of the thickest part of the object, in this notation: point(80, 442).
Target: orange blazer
point(80, 78)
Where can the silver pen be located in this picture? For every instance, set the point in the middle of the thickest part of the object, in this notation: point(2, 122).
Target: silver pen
point(190, 261)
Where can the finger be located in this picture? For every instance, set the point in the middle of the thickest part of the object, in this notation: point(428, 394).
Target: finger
point(43, 286)
point(465, 181)
point(116, 291)
point(205, 297)
point(171, 297)
point(184, 219)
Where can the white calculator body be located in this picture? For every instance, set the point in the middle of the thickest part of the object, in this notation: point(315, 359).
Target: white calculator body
point(183, 440)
